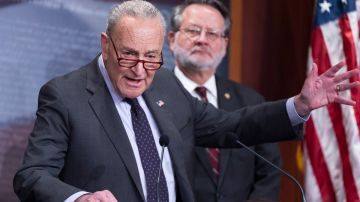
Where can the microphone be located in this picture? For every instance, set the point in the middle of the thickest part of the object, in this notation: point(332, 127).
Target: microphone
point(235, 138)
point(164, 142)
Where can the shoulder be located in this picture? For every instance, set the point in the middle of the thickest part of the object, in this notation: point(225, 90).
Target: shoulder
point(73, 83)
point(166, 80)
point(81, 74)
point(164, 73)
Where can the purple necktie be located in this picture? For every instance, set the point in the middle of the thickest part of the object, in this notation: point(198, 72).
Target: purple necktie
point(148, 154)
point(214, 153)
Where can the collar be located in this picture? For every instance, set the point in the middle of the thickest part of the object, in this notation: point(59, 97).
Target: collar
point(190, 85)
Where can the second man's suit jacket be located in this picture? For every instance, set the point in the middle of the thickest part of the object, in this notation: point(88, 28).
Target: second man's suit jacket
point(242, 176)
point(79, 142)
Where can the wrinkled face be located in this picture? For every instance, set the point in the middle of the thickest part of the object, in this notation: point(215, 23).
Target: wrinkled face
point(134, 39)
point(199, 44)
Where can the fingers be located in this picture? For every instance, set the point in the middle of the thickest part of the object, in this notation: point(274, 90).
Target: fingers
point(341, 100)
point(99, 196)
point(106, 196)
point(332, 70)
point(346, 75)
point(343, 87)
point(314, 70)
point(347, 86)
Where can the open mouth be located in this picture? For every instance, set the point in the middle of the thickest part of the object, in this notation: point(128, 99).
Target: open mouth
point(133, 82)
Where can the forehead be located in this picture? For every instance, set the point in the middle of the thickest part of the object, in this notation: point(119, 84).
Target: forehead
point(139, 34)
point(196, 13)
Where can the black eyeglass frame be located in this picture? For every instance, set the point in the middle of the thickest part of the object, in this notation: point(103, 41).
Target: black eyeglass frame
point(160, 63)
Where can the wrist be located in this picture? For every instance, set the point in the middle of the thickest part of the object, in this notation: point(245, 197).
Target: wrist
point(83, 197)
point(300, 105)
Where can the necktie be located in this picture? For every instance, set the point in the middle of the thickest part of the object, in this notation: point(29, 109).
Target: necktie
point(148, 154)
point(214, 153)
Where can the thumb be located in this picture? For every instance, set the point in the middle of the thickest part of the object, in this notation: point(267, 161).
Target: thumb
point(314, 70)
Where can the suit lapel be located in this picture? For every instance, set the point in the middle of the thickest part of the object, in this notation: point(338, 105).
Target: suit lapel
point(227, 98)
point(225, 155)
point(226, 101)
point(103, 106)
point(156, 103)
point(204, 158)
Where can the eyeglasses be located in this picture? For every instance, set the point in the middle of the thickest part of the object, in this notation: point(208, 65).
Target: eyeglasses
point(130, 63)
point(195, 32)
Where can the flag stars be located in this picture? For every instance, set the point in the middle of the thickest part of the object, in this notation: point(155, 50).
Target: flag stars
point(325, 6)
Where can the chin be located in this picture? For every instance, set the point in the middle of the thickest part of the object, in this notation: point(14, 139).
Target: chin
point(200, 58)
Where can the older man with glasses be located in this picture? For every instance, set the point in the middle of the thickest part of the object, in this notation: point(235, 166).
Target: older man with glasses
point(96, 135)
point(198, 38)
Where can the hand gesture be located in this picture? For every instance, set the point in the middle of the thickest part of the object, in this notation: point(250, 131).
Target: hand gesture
point(320, 90)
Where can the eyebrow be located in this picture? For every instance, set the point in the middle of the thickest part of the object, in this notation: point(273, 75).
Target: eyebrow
point(137, 52)
point(129, 50)
point(207, 28)
point(153, 51)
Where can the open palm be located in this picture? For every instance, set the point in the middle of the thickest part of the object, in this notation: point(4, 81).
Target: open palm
point(320, 90)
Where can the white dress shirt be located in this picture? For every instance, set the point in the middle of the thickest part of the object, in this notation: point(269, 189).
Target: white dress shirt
point(189, 85)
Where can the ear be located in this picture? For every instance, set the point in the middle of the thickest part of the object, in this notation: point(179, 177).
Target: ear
point(171, 40)
point(104, 46)
point(226, 41)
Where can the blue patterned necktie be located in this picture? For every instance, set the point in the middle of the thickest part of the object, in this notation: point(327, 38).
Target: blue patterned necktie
point(149, 156)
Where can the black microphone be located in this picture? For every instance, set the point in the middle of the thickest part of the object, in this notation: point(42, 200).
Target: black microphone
point(235, 138)
point(164, 142)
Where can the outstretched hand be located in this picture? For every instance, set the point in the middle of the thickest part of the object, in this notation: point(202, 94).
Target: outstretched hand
point(320, 90)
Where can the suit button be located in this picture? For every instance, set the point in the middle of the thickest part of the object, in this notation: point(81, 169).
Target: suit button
point(219, 196)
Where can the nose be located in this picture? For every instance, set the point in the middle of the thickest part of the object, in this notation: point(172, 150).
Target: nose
point(139, 69)
point(202, 37)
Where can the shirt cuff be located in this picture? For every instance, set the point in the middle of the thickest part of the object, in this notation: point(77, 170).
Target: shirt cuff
point(294, 117)
point(75, 196)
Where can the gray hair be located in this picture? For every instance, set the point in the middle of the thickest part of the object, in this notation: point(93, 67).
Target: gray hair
point(134, 8)
point(176, 17)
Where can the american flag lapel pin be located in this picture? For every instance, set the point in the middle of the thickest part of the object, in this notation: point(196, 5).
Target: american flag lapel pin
point(160, 103)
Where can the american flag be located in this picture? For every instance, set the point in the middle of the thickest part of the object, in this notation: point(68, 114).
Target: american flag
point(332, 141)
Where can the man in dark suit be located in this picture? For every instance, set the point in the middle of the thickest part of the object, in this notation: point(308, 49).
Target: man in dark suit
point(97, 128)
point(240, 175)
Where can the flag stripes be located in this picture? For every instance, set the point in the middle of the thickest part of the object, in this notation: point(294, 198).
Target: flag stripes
point(332, 140)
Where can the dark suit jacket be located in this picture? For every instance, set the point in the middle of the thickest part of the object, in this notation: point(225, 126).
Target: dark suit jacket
point(79, 143)
point(242, 175)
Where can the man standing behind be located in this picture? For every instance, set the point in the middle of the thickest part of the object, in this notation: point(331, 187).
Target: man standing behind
point(96, 135)
point(198, 40)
